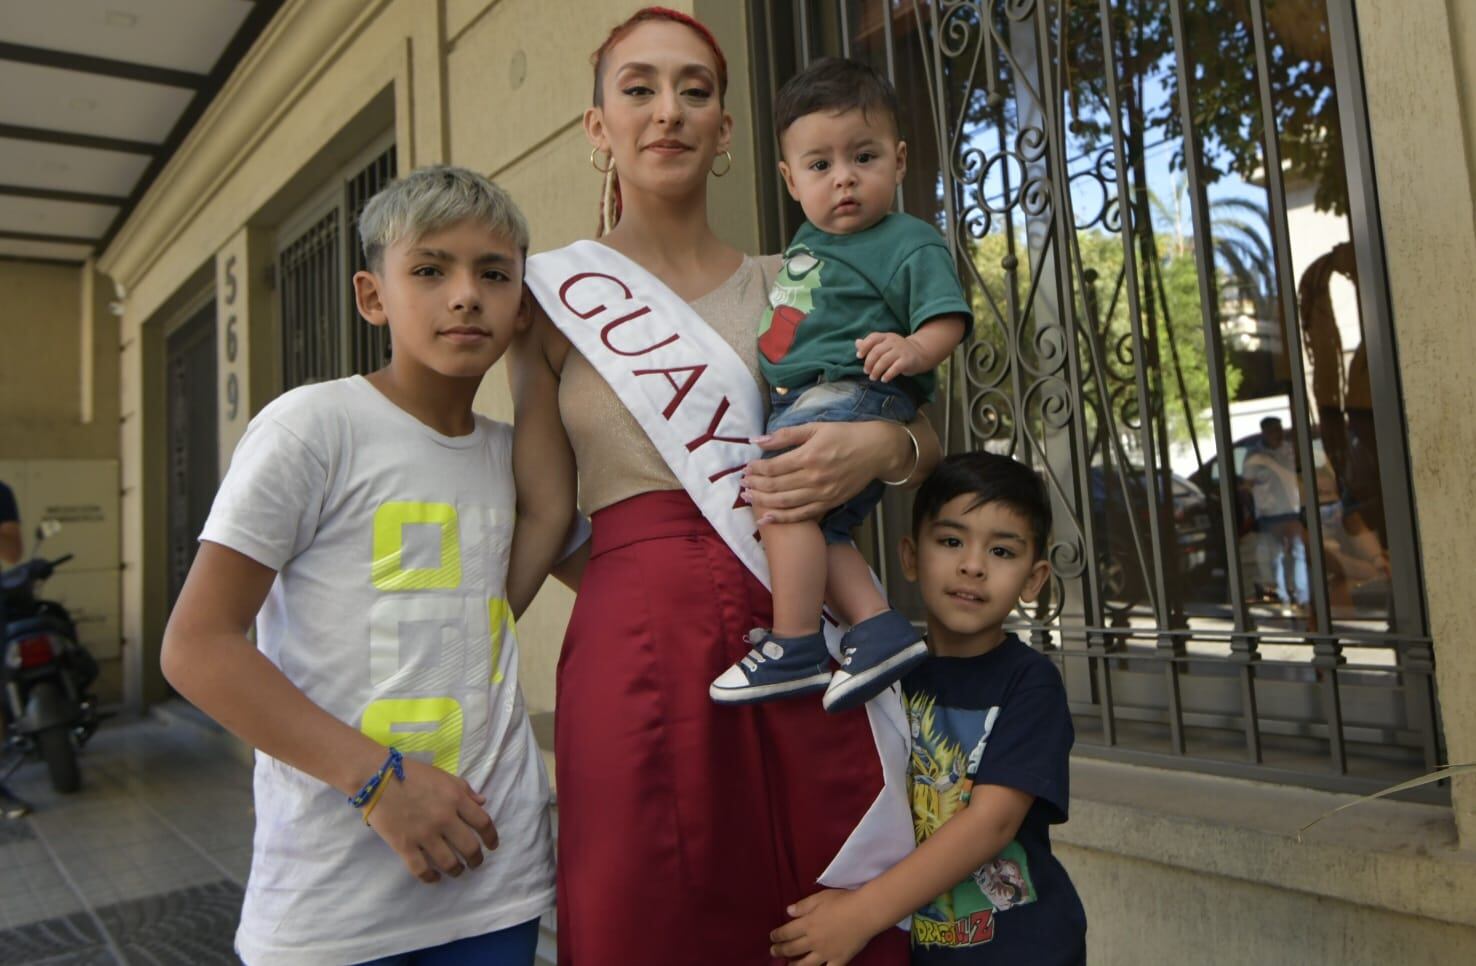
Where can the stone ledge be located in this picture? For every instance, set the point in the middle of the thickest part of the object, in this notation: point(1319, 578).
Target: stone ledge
point(1397, 856)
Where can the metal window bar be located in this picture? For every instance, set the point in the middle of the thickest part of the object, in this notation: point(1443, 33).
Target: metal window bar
point(308, 274)
point(1326, 649)
point(1416, 656)
point(369, 345)
point(323, 336)
point(1135, 318)
point(1065, 368)
point(192, 437)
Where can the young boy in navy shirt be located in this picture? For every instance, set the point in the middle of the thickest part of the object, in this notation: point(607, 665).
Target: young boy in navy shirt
point(991, 742)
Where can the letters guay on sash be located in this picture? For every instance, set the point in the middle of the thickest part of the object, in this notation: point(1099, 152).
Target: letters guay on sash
point(699, 405)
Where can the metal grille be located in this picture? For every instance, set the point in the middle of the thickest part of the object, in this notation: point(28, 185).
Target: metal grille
point(193, 452)
point(1183, 323)
point(323, 336)
point(312, 304)
point(370, 345)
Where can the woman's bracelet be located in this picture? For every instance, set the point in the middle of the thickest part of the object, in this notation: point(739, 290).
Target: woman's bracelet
point(369, 794)
point(916, 458)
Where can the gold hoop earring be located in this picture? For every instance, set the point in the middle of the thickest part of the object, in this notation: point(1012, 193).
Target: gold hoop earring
point(718, 174)
point(593, 164)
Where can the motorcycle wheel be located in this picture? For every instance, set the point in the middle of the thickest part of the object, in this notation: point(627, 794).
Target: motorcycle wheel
point(61, 758)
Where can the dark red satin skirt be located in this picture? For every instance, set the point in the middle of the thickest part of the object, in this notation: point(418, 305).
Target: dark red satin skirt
point(686, 828)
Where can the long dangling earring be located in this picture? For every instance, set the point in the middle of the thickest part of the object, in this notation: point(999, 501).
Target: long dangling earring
point(718, 174)
point(609, 202)
point(609, 192)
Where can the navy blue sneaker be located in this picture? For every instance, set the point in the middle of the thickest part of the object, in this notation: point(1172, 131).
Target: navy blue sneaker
point(875, 654)
point(775, 667)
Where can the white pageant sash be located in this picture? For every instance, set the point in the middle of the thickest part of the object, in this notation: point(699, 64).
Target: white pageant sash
point(699, 405)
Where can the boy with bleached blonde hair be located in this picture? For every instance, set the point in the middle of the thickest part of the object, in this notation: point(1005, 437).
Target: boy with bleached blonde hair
point(366, 528)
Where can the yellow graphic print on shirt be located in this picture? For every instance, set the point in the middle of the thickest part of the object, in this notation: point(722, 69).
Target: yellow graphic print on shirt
point(431, 592)
point(940, 770)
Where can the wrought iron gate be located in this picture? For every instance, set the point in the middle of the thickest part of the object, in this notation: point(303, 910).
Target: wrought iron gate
point(194, 454)
point(1140, 257)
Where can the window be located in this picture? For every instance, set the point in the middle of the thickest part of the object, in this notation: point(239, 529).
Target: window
point(323, 336)
point(1183, 324)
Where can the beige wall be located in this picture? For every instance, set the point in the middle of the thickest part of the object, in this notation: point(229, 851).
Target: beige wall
point(1417, 55)
point(1181, 867)
point(1141, 912)
point(53, 349)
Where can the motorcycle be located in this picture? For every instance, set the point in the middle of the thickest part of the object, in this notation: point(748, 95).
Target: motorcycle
point(47, 708)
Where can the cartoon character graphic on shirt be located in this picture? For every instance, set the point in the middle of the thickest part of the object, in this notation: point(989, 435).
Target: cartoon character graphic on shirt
point(941, 773)
point(791, 299)
point(1004, 882)
point(935, 788)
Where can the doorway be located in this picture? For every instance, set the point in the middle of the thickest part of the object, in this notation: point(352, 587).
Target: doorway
point(193, 454)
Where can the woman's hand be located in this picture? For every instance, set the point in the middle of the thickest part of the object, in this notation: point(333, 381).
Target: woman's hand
point(829, 463)
point(828, 927)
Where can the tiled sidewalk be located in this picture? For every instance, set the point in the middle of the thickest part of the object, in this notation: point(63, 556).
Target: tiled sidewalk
point(145, 864)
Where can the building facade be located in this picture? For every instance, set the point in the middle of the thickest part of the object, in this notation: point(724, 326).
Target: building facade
point(1231, 681)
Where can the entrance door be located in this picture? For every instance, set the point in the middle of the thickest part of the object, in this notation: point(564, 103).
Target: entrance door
point(193, 446)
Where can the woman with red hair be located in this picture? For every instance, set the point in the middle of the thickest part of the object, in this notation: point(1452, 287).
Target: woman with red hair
point(686, 828)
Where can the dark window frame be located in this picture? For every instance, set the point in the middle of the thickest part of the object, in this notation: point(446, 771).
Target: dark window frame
point(1142, 695)
point(318, 252)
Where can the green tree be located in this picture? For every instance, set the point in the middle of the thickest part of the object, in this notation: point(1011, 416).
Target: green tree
point(1173, 284)
point(1225, 96)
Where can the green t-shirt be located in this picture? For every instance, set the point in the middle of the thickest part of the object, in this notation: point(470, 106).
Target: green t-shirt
point(835, 289)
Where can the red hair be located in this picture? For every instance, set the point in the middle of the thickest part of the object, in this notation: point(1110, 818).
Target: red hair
point(656, 14)
point(610, 195)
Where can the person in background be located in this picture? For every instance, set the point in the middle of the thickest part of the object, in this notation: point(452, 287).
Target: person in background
point(10, 531)
point(10, 554)
point(1271, 472)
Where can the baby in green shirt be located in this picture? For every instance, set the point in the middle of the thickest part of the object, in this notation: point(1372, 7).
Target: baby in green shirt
point(867, 305)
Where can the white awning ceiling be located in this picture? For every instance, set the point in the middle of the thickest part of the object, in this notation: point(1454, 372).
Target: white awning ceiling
point(95, 95)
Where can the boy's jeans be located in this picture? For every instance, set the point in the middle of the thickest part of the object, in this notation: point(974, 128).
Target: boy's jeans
point(513, 946)
point(842, 401)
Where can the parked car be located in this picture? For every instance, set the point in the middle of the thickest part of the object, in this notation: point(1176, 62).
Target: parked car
point(1189, 540)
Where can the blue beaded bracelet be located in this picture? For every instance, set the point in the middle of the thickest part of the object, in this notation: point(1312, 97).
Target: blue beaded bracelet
point(394, 763)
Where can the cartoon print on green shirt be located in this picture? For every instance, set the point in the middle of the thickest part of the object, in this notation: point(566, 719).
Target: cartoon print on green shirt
point(791, 299)
point(940, 770)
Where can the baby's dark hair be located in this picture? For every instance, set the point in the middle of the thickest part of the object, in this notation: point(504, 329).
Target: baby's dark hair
point(989, 478)
point(832, 85)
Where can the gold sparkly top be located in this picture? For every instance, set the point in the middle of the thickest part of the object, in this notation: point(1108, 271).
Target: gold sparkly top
point(615, 458)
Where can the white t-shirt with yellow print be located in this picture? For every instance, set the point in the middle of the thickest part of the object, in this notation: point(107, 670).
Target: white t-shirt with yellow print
point(391, 543)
